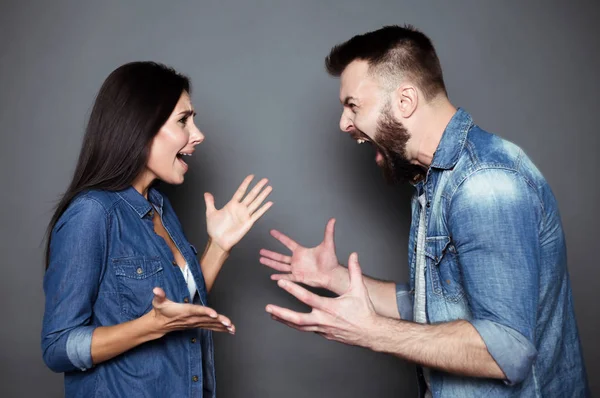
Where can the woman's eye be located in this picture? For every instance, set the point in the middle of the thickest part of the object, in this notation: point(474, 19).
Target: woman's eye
point(183, 120)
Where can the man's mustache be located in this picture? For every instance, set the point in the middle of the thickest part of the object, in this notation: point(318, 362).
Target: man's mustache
point(358, 135)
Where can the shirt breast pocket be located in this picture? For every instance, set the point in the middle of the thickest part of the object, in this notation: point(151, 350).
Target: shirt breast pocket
point(136, 277)
point(443, 267)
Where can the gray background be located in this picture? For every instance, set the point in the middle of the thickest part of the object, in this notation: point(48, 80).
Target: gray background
point(525, 71)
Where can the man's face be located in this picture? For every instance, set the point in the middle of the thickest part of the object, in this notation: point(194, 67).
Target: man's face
point(367, 116)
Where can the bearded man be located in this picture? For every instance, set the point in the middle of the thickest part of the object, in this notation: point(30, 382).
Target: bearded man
point(488, 310)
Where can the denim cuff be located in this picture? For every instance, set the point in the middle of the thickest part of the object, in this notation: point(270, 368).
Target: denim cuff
point(513, 353)
point(404, 301)
point(79, 347)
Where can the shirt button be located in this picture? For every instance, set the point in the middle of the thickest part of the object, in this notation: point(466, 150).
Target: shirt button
point(186, 300)
point(195, 379)
point(174, 263)
point(139, 271)
point(428, 204)
point(193, 340)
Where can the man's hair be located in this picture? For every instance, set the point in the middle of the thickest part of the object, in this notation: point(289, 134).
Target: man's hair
point(394, 53)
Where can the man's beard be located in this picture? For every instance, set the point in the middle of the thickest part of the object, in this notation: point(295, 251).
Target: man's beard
point(390, 141)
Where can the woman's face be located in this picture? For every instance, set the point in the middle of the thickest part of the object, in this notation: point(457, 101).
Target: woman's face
point(175, 141)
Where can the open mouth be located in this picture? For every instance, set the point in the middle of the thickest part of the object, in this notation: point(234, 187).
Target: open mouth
point(361, 138)
point(180, 157)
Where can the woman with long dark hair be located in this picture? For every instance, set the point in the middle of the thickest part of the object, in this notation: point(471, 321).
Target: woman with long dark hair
point(126, 298)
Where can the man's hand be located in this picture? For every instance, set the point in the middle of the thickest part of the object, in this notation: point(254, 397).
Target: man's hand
point(347, 318)
point(316, 266)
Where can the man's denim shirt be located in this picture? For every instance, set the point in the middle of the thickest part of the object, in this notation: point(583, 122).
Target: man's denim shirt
point(496, 257)
point(105, 259)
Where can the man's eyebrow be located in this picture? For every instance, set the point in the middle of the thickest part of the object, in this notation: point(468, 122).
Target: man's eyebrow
point(347, 100)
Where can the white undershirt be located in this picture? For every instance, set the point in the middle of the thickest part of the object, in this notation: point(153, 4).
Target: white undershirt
point(420, 304)
point(189, 280)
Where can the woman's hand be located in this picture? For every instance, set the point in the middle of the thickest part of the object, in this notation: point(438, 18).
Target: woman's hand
point(169, 316)
point(227, 226)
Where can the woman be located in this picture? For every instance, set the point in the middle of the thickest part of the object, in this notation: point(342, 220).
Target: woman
point(126, 297)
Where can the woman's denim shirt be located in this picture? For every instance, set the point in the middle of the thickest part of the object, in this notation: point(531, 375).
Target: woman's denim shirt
point(105, 259)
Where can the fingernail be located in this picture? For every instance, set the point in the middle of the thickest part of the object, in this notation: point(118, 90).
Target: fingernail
point(268, 309)
point(226, 323)
point(281, 283)
point(213, 315)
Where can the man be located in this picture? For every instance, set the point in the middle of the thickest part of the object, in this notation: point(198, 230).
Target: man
point(488, 311)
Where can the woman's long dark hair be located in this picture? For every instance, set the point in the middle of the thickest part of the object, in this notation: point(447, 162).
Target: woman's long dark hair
point(133, 103)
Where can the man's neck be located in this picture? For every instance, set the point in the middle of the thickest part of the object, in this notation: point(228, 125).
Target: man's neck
point(435, 117)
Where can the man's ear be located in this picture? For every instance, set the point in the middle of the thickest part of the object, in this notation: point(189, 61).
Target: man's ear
point(407, 99)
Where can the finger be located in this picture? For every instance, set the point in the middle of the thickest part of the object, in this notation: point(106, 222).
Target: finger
point(293, 317)
point(261, 198)
point(204, 323)
point(276, 256)
point(261, 211)
point(285, 277)
point(315, 329)
point(198, 310)
point(219, 330)
point(225, 321)
point(241, 191)
point(308, 298)
point(276, 265)
point(255, 191)
point(354, 270)
point(330, 233)
point(209, 199)
point(159, 296)
point(223, 326)
point(287, 242)
point(215, 327)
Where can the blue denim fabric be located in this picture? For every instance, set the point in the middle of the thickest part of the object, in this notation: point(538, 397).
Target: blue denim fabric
point(105, 259)
point(496, 257)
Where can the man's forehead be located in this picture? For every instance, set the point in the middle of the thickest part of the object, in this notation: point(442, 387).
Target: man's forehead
point(355, 80)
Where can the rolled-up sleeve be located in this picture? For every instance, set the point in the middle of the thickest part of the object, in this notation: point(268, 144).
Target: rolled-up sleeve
point(494, 221)
point(404, 301)
point(77, 257)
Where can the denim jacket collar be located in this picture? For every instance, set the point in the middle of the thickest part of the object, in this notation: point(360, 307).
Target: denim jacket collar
point(453, 141)
point(140, 204)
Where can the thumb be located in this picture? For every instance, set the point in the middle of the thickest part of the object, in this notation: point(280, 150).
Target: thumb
point(354, 271)
point(330, 232)
point(210, 202)
point(159, 296)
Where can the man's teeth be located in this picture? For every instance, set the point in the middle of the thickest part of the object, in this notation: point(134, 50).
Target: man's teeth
point(185, 154)
point(360, 140)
